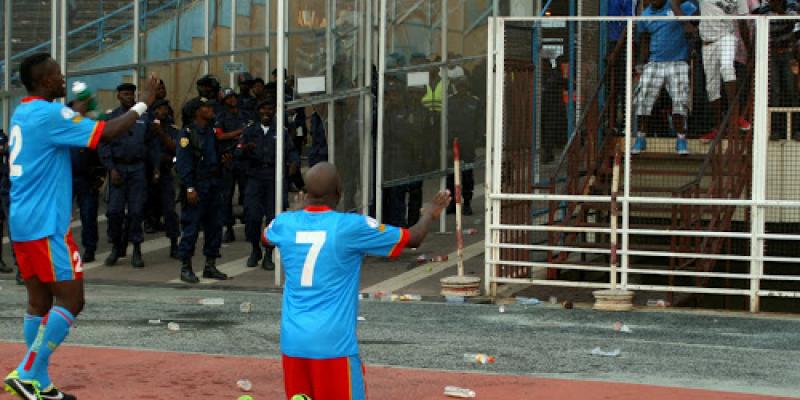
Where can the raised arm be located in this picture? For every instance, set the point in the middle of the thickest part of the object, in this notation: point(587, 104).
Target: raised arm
point(417, 233)
point(120, 125)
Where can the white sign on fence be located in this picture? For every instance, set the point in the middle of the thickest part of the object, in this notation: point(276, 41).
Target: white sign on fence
point(233, 67)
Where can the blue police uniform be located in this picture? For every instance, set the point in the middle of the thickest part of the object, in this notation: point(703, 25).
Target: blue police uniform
point(128, 155)
point(87, 178)
point(259, 199)
point(232, 172)
point(164, 186)
point(319, 141)
point(198, 168)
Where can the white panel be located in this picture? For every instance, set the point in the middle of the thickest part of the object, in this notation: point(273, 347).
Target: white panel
point(311, 84)
point(418, 79)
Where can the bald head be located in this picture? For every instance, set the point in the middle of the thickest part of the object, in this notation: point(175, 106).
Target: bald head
point(322, 185)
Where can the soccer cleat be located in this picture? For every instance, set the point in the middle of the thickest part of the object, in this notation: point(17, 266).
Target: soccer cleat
point(25, 390)
point(639, 146)
point(681, 146)
point(710, 136)
point(52, 393)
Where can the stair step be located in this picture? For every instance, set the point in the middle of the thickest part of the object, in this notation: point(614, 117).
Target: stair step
point(672, 156)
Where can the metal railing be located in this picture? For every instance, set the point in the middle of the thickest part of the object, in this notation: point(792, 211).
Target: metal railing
point(100, 24)
point(698, 220)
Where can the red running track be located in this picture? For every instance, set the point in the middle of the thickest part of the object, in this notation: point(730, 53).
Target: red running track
point(107, 373)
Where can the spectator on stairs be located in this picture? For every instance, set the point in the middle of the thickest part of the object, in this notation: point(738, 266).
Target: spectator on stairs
point(664, 46)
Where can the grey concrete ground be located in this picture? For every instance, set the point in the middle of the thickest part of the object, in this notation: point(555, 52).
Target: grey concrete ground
point(731, 352)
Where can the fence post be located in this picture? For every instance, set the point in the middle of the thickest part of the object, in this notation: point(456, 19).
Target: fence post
point(759, 160)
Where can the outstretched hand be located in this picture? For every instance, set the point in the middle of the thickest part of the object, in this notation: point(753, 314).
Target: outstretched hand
point(439, 202)
point(148, 92)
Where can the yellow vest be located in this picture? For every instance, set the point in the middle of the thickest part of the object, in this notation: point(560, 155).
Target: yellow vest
point(433, 98)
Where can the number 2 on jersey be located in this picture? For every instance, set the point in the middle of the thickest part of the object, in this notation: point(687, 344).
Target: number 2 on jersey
point(316, 239)
point(15, 142)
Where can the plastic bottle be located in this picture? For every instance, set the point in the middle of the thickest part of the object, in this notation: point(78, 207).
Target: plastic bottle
point(246, 307)
point(478, 358)
point(244, 384)
point(173, 326)
point(82, 92)
point(455, 391)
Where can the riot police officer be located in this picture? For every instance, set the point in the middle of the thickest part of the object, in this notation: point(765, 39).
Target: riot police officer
point(464, 114)
point(258, 149)
point(207, 88)
point(230, 124)
point(198, 170)
point(166, 134)
point(152, 209)
point(87, 179)
point(247, 102)
point(125, 158)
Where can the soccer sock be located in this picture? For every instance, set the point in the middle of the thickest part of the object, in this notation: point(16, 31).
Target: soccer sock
point(30, 327)
point(54, 329)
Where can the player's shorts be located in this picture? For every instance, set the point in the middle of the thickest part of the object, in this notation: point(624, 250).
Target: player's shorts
point(326, 379)
point(673, 74)
point(51, 259)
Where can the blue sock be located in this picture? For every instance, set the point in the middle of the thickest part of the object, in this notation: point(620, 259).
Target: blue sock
point(30, 330)
point(54, 329)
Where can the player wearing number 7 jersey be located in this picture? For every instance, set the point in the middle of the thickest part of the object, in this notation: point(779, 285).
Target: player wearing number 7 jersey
point(42, 133)
point(322, 250)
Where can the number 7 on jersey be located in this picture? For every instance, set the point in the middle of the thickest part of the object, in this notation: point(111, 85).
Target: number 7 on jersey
point(316, 239)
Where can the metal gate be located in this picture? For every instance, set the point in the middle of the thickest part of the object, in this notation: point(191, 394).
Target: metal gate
point(718, 221)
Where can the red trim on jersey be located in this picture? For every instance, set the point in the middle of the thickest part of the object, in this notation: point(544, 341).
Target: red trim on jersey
point(317, 208)
point(28, 99)
point(401, 244)
point(264, 241)
point(96, 134)
point(218, 132)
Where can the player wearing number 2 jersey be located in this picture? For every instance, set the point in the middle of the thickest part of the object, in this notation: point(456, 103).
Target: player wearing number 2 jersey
point(41, 135)
point(322, 250)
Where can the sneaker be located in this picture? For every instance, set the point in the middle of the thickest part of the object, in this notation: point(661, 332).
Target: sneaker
point(52, 393)
point(710, 136)
point(639, 146)
point(25, 390)
point(681, 146)
point(744, 124)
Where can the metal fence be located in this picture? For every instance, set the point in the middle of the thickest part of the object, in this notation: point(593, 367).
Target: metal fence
point(707, 130)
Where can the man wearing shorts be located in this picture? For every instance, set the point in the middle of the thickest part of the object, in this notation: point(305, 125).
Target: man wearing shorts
point(42, 133)
point(719, 54)
point(322, 250)
point(666, 50)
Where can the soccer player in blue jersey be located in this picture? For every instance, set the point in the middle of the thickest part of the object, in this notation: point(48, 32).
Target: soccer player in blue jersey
point(42, 133)
point(322, 250)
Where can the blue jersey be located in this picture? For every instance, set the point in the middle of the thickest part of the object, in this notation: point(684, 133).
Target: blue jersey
point(667, 39)
point(40, 167)
point(322, 251)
